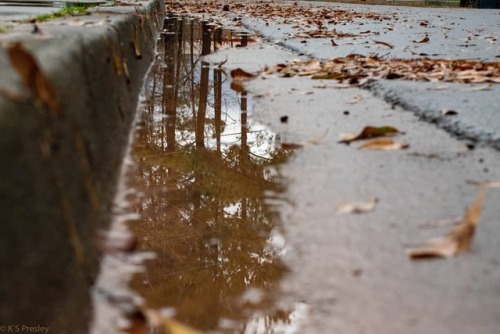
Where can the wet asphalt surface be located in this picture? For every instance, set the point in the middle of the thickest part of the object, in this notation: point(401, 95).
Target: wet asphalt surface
point(352, 271)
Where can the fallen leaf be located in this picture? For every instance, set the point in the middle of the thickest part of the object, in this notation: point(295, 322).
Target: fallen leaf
point(485, 184)
point(237, 86)
point(479, 88)
point(294, 146)
point(291, 146)
point(167, 324)
point(135, 43)
point(33, 77)
point(448, 112)
point(357, 99)
point(390, 46)
point(358, 207)
point(458, 240)
point(239, 77)
point(302, 92)
point(426, 39)
point(239, 74)
point(371, 132)
point(115, 56)
point(383, 144)
point(440, 87)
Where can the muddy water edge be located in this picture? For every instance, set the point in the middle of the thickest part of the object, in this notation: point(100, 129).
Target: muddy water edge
point(195, 193)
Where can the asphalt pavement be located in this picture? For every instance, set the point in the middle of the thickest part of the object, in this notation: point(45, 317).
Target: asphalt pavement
point(352, 270)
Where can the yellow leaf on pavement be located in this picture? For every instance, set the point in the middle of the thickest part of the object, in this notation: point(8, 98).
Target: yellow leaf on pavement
point(460, 237)
point(383, 144)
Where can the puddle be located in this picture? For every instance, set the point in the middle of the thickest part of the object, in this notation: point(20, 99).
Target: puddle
point(196, 183)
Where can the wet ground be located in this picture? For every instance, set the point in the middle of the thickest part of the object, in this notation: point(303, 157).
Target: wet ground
point(339, 271)
point(198, 192)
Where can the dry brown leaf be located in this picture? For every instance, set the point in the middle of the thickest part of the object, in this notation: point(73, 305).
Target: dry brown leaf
point(390, 46)
point(237, 86)
point(115, 56)
point(371, 132)
point(479, 88)
point(239, 74)
point(355, 68)
point(426, 39)
point(449, 112)
point(33, 77)
point(136, 43)
point(458, 240)
point(358, 207)
point(383, 144)
point(239, 77)
point(291, 146)
point(313, 141)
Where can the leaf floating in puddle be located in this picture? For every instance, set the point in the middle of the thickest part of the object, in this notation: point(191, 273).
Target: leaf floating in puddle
point(423, 40)
point(239, 74)
point(458, 240)
point(383, 144)
point(358, 207)
point(291, 146)
point(33, 77)
point(370, 132)
point(239, 78)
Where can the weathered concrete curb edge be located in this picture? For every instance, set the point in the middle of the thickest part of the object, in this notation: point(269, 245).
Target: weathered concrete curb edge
point(59, 169)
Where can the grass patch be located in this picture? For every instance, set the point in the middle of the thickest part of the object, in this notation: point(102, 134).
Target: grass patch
point(4, 29)
point(69, 10)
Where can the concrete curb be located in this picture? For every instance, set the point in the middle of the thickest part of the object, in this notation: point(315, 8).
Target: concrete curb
point(59, 167)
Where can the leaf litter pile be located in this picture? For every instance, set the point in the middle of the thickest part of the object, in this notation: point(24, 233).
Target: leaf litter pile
point(357, 69)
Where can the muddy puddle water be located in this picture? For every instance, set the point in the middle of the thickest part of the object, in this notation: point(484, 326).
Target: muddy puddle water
point(197, 180)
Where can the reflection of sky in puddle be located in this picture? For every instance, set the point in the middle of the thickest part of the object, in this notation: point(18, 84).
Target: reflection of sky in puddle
point(201, 171)
point(260, 139)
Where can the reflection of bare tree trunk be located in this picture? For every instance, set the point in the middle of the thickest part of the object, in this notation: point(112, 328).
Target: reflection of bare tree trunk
point(217, 39)
point(169, 90)
point(244, 129)
point(244, 150)
point(207, 39)
point(191, 46)
point(202, 105)
point(180, 52)
point(218, 105)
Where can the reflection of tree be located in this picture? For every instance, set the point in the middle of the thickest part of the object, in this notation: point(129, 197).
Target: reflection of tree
point(203, 210)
